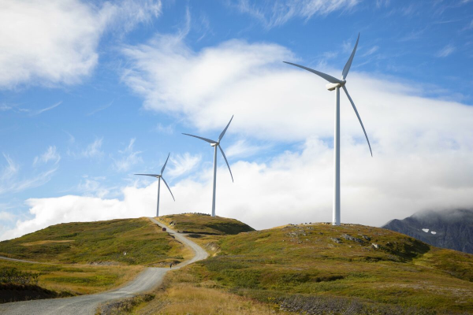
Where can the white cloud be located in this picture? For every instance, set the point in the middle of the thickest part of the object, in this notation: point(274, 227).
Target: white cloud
point(371, 51)
point(93, 187)
point(128, 158)
point(6, 216)
point(292, 187)
point(50, 155)
point(243, 149)
point(424, 142)
point(183, 164)
point(101, 108)
point(10, 170)
point(277, 12)
point(47, 108)
point(423, 147)
point(9, 181)
point(169, 129)
point(446, 51)
point(93, 149)
point(55, 41)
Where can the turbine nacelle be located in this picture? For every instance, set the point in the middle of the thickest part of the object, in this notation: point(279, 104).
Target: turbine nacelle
point(333, 86)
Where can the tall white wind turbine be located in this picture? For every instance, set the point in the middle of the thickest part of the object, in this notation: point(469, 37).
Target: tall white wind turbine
point(159, 177)
point(336, 84)
point(216, 144)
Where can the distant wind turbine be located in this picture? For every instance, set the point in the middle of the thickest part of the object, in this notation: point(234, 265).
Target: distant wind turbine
point(336, 84)
point(216, 144)
point(159, 177)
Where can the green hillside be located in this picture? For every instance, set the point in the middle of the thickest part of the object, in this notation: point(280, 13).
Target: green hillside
point(320, 268)
point(124, 241)
point(83, 258)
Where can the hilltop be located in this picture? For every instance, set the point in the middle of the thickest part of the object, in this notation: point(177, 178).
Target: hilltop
point(319, 268)
point(119, 242)
point(84, 257)
point(198, 223)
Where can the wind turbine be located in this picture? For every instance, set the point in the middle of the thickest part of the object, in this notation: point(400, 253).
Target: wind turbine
point(159, 177)
point(216, 144)
point(336, 84)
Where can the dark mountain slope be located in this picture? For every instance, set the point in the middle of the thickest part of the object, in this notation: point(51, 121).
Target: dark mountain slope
point(451, 229)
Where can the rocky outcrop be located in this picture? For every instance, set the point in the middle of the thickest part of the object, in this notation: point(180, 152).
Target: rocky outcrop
point(451, 229)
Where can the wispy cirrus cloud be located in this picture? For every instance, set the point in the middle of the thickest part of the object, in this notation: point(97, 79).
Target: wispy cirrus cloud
point(446, 51)
point(92, 186)
point(183, 163)
point(38, 112)
point(93, 149)
point(243, 149)
point(273, 13)
point(371, 51)
point(50, 155)
point(10, 170)
point(128, 158)
point(10, 181)
point(99, 109)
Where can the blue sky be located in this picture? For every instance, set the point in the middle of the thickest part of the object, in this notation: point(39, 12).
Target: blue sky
point(92, 92)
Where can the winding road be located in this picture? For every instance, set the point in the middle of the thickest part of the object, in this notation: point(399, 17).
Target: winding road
point(87, 304)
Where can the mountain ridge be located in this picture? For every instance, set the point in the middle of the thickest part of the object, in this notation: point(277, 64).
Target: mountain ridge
point(452, 229)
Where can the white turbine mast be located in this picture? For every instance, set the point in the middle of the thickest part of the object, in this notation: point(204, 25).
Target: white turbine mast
point(159, 177)
point(336, 84)
point(215, 144)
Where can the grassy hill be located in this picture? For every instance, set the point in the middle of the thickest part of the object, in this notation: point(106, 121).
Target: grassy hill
point(89, 257)
point(320, 268)
point(125, 241)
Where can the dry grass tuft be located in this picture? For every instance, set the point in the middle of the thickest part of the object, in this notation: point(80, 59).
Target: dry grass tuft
point(189, 299)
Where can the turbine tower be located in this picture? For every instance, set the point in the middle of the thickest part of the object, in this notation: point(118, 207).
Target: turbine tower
point(159, 177)
point(336, 84)
point(216, 144)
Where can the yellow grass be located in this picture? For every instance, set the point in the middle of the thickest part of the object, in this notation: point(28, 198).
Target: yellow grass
point(77, 278)
point(192, 300)
point(119, 275)
point(46, 242)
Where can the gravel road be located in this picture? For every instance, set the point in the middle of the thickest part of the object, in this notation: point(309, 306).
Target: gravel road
point(87, 304)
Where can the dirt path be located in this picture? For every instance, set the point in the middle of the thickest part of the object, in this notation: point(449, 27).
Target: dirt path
point(87, 304)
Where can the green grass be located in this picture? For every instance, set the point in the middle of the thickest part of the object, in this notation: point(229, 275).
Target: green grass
point(72, 280)
point(204, 224)
point(341, 262)
point(84, 258)
point(96, 242)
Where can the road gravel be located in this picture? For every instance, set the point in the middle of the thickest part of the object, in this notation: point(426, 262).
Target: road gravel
point(87, 304)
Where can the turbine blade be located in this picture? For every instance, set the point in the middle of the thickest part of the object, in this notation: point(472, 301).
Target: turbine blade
point(152, 175)
point(226, 162)
point(350, 60)
point(359, 119)
point(205, 139)
point(168, 188)
point(164, 166)
point(225, 130)
point(327, 77)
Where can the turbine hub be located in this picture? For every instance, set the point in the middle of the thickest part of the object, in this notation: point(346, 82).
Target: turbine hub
point(214, 144)
point(333, 86)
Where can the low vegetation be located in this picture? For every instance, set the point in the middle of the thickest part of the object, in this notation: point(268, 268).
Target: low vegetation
point(121, 242)
point(323, 269)
point(83, 258)
point(196, 223)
